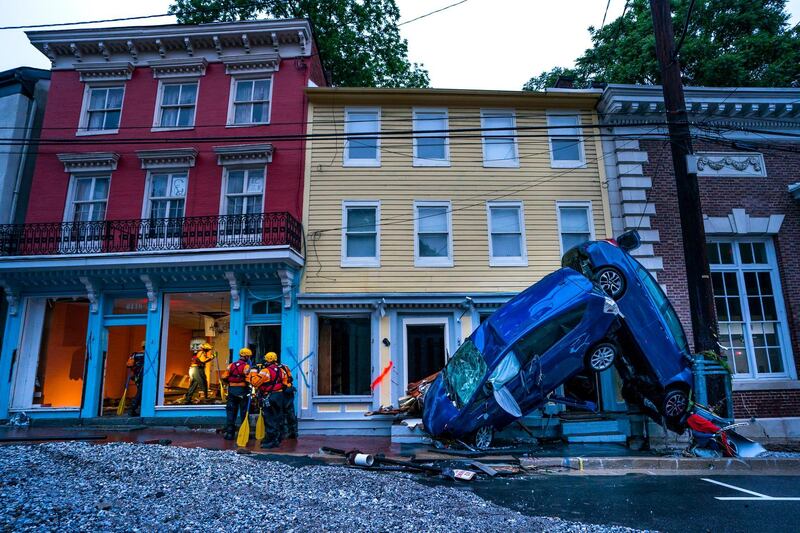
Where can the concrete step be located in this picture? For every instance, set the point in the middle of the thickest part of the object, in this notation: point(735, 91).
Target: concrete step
point(409, 434)
point(589, 427)
point(603, 437)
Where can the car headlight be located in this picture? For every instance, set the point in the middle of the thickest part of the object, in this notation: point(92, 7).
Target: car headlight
point(611, 307)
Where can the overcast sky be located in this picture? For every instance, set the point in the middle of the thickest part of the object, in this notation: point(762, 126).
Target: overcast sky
point(480, 44)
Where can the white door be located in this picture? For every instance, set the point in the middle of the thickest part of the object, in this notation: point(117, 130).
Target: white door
point(27, 358)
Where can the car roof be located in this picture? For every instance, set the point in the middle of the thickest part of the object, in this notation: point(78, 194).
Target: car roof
point(539, 302)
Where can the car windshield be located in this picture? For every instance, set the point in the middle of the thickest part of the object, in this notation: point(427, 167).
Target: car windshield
point(464, 372)
point(664, 307)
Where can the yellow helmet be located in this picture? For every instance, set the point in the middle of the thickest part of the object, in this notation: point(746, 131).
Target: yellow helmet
point(271, 357)
point(245, 352)
point(206, 346)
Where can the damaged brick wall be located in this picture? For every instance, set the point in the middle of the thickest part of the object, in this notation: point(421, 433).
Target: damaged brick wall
point(760, 197)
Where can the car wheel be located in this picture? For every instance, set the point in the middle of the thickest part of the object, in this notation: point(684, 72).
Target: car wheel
point(675, 403)
point(611, 281)
point(483, 437)
point(601, 357)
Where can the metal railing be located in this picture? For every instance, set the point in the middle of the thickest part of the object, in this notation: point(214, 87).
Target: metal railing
point(151, 234)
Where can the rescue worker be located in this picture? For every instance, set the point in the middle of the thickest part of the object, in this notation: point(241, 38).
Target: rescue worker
point(201, 355)
point(270, 392)
point(235, 377)
point(289, 429)
point(135, 365)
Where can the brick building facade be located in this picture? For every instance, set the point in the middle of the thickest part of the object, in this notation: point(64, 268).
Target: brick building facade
point(746, 162)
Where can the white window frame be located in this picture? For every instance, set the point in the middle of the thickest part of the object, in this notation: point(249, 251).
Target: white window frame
point(433, 320)
point(229, 123)
point(554, 134)
point(160, 100)
point(521, 260)
point(780, 309)
point(69, 209)
point(587, 204)
point(347, 161)
point(424, 161)
point(374, 355)
point(83, 121)
point(506, 163)
point(224, 192)
point(433, 261)
point(146, 201)
point(361, 261)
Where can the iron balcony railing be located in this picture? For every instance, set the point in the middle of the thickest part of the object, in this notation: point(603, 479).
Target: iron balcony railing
point(151, 234)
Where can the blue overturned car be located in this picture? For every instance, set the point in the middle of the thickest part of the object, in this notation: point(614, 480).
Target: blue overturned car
point(523, 352)
point(656, 369)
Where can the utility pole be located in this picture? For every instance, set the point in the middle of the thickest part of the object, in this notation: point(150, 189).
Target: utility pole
point(701, 296)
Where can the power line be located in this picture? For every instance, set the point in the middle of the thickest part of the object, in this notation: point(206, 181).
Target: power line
point(608, 4)
point(431, 13)
point(30, 26)
point(685, 31)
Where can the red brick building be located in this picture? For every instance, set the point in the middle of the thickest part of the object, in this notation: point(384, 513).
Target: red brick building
point(165, 208)
point(747, 143)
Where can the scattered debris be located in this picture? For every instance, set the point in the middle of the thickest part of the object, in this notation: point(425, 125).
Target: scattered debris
point(20, 419)
point(409, 405)
point(34, 438)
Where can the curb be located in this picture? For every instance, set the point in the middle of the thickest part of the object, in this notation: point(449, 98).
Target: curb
point(665, 465)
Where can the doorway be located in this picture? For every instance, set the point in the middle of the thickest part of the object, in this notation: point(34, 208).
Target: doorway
point(120, 382)
point(263, 338)
point(425, 347)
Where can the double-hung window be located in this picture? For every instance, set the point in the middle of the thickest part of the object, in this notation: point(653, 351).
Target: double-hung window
point(749, 305)
point(362, 129)
point(506, 234)
point(250, 102)
point(430, 137)
point(361, 234)
point(85, 211)
point(566, 142)
point(243, 202)
point(165, 206)
point(177, 105)
point(433, 239)
point(102, 110)
point(499, 138)
point(574, 223)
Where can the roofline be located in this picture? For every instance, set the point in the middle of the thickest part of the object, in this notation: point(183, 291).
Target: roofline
point(615, 89)
point(165, 30)
point(343, 95)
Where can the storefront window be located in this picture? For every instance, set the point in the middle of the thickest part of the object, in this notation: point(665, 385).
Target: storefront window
point(50, 371)
point(344, 356)
point(190, 374)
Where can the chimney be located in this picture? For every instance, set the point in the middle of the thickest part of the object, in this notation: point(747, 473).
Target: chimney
point(565, 82)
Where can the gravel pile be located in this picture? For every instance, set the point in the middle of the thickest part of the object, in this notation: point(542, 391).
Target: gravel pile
point(113, 487)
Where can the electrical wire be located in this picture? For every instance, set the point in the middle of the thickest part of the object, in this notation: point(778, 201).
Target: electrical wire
point(431, 13)
point(683, 34)
point(602, 24)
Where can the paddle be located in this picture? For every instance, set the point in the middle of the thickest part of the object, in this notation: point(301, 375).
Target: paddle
point(244, 430)
point(121, 406)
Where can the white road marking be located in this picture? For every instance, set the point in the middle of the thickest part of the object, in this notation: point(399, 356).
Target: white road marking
point(757, 496)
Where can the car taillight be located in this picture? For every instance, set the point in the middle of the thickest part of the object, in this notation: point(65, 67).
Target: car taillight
point(612, 241)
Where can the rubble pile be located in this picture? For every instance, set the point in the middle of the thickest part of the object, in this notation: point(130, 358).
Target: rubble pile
point(133, 487)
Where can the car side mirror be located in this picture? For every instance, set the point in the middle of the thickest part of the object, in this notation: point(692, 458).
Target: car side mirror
point(629, 240)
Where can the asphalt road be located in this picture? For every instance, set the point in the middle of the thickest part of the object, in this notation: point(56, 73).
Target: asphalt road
point(666, 503)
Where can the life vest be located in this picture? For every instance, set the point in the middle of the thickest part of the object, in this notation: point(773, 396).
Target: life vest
point(201, 358)
point(237, 373)
point(286, 377)
point(271, 379)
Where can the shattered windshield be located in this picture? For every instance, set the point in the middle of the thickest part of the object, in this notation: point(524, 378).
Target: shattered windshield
point(465, 372)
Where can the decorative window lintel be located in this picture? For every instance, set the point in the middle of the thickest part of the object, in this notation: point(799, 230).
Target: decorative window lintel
point(252, 64)
point(112, 71)
point(244, 154)
point(179, 68)
point(172, 158)
point(89, 162)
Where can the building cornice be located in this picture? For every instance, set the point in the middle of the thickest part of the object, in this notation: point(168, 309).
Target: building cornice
point(179, 67)
point(142, 45)
point(244, 154)
point(89, 161)
point(169, 158)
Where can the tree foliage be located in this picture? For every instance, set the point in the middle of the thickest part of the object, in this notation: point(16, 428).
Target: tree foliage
point(729, 43)
point(358, 40)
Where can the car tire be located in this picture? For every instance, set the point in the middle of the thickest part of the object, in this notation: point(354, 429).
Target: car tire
point(675, 404)
point(483, 437)
point(601, 357)
point(611, 280)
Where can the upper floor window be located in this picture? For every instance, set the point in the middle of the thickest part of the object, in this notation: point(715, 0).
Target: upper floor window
point(167, 195)
point(101, 109)
point(574, 223)
point(433, 239)
point(177, 102)
point(499, 138)
point(361, 148)
point(244, 191)
point(506, 234)
point(430, 137)
point(88, 199)
point(361, 234)
point(250, 102)
point(566, 143)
